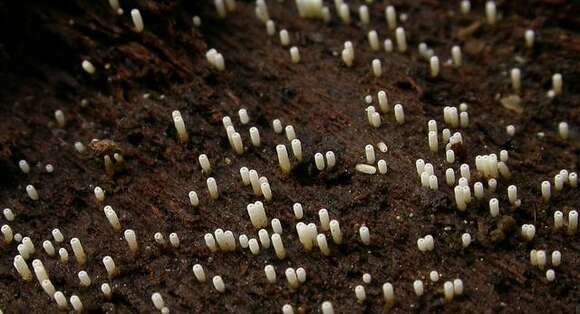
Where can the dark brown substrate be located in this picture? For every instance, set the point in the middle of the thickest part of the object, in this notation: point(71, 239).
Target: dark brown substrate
point(43, 44)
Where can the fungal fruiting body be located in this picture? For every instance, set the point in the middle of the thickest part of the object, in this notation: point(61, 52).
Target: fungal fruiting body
point(418, 287)
point(158, 301)
point(112, 217)
point(78, 251)
point(360, 293)
point(84, 278)
point(219, 284)
point(278, 246)
point(490, 12)
point(7, 233)
point(557, 83)
point(391, 16)
point(88, 67)
point(295, 55)
point(530, 36)
point(76, 303)
point(180, 126)
point(327, 155)
point(137, 20)
point(364, 234)
point(22, 268)
point(327, 307)
point(434, 62)
point(110, 266)
point(283, 158)
point(401, 39)
point(373, 39)
point(377, 68)
point(32, 193)
point(270, 273)
point(456, 56)
point(292, 278)
point(212, 188)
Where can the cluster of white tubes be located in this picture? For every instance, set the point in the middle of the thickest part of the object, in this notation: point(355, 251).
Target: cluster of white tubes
point(215, 59)
point(426, 243)
point(528, 232)
point(572, 226)
point(257, 214)
point(312, 9)
point(220, 240)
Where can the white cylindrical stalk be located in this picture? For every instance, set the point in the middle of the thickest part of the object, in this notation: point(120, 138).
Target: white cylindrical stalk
point(557, 83)
point(465, 239)
point(32, 192)
point(284, 38)
point(558, 220)
point(270, 273)
point(389, 293)
point(22, 268)
point(418, 287)
point(264, 238)
point(99, 194)
point(530, 38)
point(370, 154)
point(399, 114)
point(456, 56)
point(78, 251)
point(319, 161)
point(572, 222)
point(344, 13)
point(563, 130)
point(382, 166)
point(490, 12)
point(212, 188)
point(199, 273)
point(283, 159)
point(327, 308)
point(295, 55)
point(363, 13)
point(110, 266)
point(373, 39)
point(174, 239)
point(278, 246)
point(61, 301)
point(218, 284)
point(516, 75)
point(512, 192)
point(76, 303)
point(158, 301)
point(49, 248)
point(210, 242)
point(377, 68)
point(9, 235)
point(433, 141)
point(450, 176)
point(401, 39)
point(107, 291)
point(292, 278)
point(322, 244)
point(205, 164)
point(266, 191)
point(546, 190)
point(494, 207)
point(391, 16)
point(364, 235)
point(112, 217)
point(360, 293)
point(84, 278)
point(448, 291)
point(434, 66)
